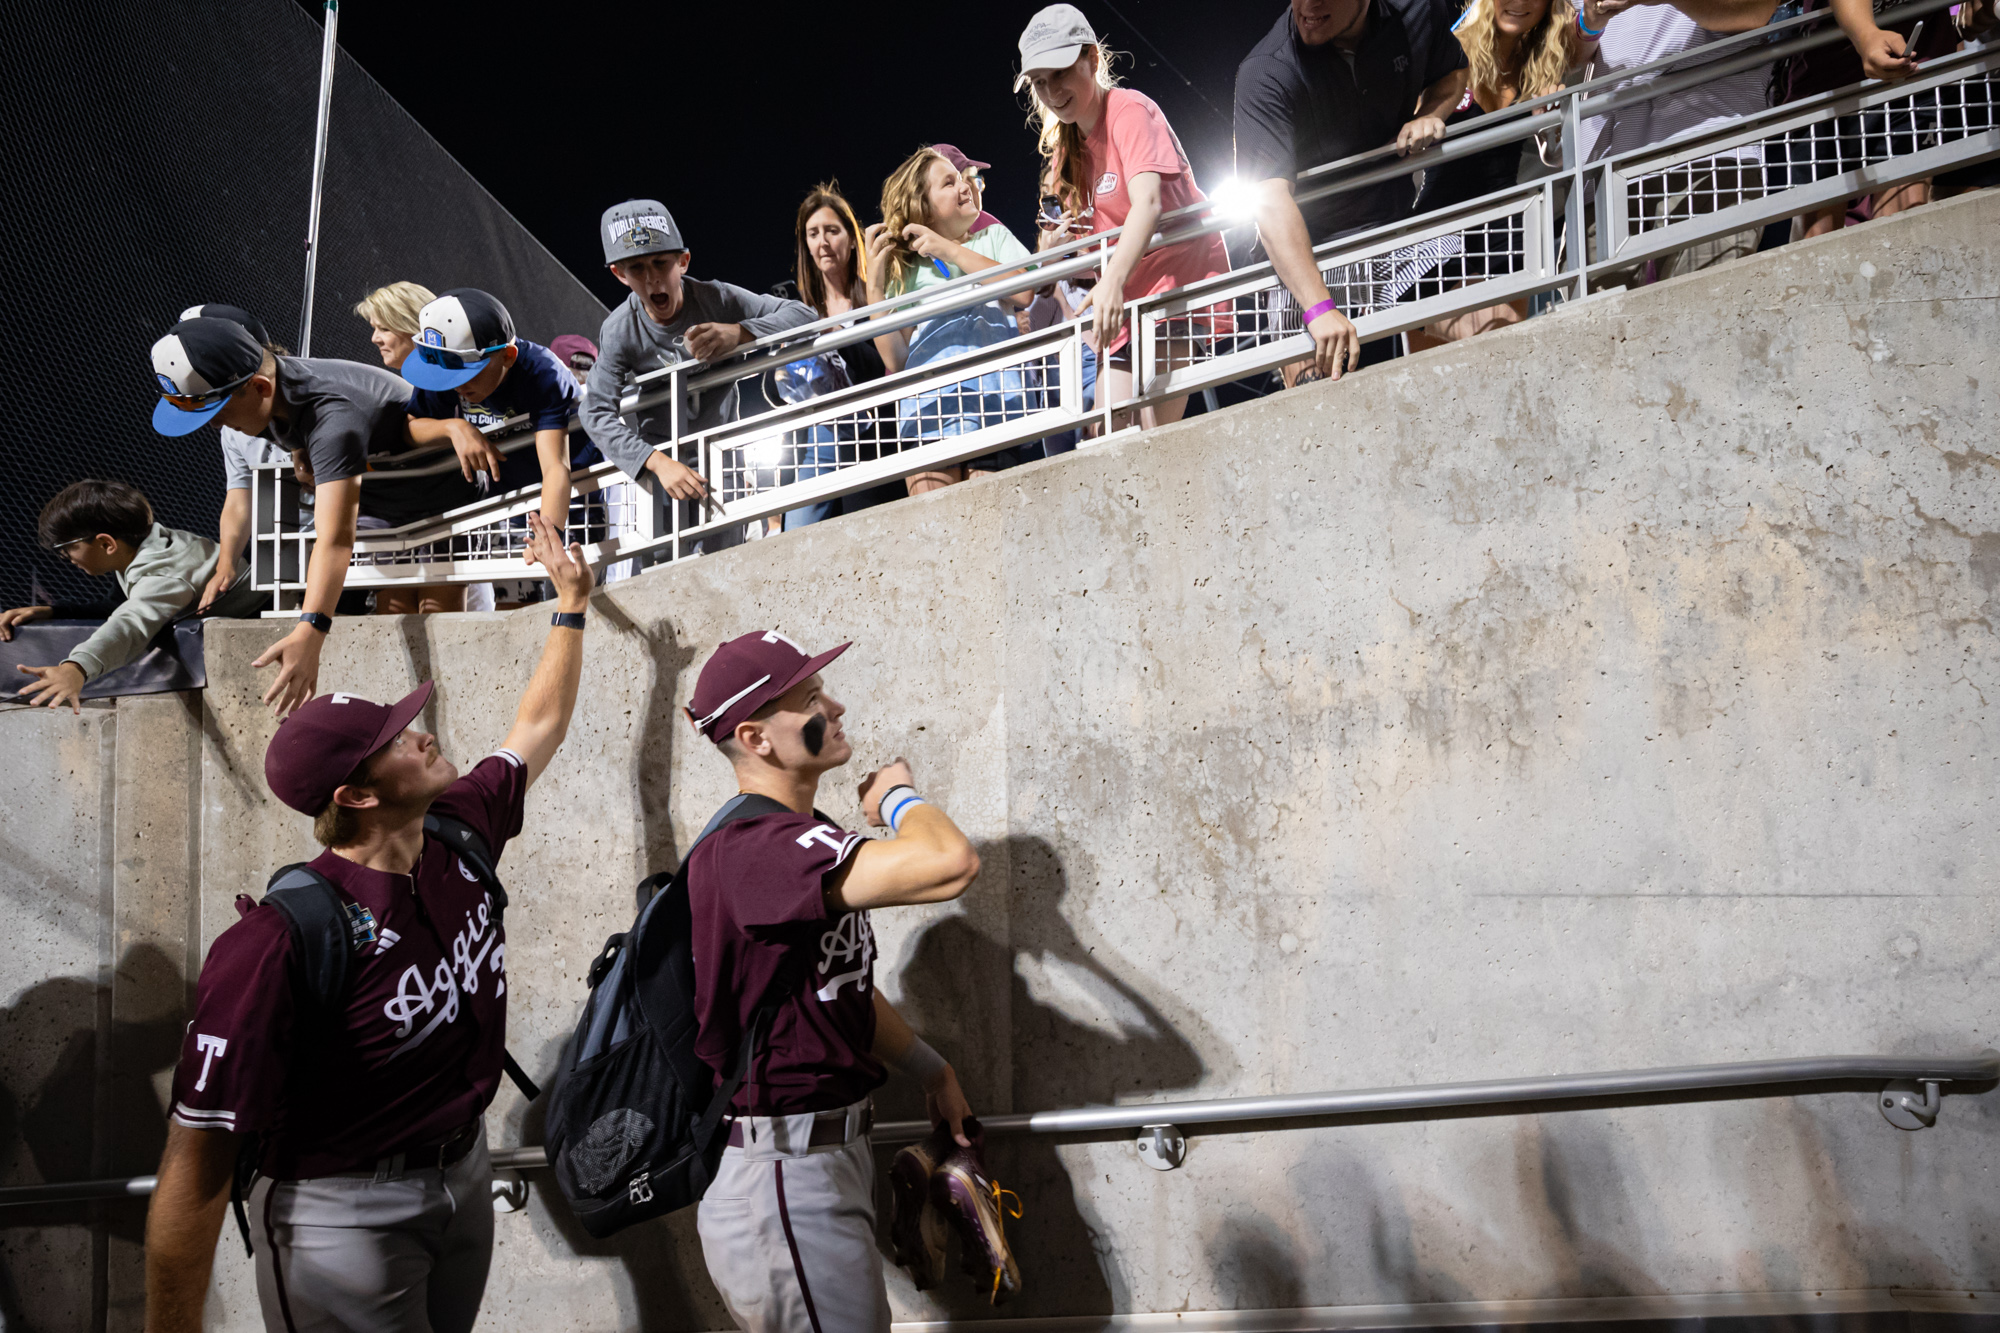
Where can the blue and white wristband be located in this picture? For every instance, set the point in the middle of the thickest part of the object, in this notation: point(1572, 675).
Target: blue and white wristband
point(899, 801)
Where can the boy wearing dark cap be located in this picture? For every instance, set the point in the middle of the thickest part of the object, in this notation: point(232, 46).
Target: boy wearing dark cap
point(472, 373)
point(669, 317)
point(333, 415)
point(780, 905)
point(372, 1210)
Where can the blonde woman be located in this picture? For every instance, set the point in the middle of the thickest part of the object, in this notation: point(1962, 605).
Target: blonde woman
point(926, 238)
point(1116, 162)
point(392, 313)
point(1515, 49)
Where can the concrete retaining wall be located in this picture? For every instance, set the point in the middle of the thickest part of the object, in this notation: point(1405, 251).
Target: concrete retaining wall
point(1612, 691)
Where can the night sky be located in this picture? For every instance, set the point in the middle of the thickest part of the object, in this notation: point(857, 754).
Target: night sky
point(729, 113)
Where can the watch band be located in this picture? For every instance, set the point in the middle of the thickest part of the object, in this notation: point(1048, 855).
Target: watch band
point(318, 620)
point(567, 620)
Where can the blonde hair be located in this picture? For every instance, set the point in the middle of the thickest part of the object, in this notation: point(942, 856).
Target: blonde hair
point(906, 199)
point(1062, 145)
point(395, 307)
point(812, 283)
point(1545, 49)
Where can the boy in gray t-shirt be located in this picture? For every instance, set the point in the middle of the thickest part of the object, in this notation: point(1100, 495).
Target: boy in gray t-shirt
point(669, 317)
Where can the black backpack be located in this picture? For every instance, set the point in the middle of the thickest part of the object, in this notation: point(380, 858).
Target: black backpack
point(327, 931)
point(633, 1114)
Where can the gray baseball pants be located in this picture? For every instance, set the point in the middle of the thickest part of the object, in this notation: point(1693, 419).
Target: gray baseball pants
point(789, 1232)
point(387, 1251)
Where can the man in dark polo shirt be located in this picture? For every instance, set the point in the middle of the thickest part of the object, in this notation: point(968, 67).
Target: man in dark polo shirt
point(373, 1210)
point(1334, 78)
point(780, 904)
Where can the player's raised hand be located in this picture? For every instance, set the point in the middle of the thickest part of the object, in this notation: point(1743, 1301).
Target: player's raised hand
point(566, 567)
point(895, 773)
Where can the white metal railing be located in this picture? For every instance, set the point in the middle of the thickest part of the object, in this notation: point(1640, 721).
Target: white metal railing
point(1522, 241)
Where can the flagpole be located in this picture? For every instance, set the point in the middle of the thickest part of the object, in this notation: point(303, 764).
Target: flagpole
point(326, 54)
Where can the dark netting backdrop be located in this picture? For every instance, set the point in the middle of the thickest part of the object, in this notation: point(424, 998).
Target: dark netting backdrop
point(159, 155)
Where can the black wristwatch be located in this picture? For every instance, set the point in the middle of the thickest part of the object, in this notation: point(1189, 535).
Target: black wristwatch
point(567, 620)
point(322, 623)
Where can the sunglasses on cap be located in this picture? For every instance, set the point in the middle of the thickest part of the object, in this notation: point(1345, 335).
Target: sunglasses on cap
point(450, 360)
point(201, 402)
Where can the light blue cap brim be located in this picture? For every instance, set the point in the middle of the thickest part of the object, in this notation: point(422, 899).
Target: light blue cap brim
point(428, 375)
point(171, 420)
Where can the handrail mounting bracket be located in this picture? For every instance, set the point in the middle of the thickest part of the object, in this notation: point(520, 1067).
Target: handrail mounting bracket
point(1162, 1147)
point(1910, 1104)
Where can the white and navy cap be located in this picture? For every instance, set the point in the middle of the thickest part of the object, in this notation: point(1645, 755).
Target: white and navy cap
point(1054, 38)
point(639, 227)
point(218, 310)
point(198, 365)
point(457, 334)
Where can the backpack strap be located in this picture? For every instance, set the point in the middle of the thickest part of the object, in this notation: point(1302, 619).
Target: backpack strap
point(745, 805)
point(322, 942)
point(471, 848)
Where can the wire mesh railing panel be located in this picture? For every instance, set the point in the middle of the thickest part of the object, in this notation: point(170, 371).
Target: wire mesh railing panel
point(1833, 142)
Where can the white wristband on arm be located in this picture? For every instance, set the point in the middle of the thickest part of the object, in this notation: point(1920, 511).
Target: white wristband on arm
point(920, 1062)
point(899, 801)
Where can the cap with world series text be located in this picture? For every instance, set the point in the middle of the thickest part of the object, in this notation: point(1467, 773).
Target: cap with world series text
point(320, 745)
point(745, 674)
point(638, 227)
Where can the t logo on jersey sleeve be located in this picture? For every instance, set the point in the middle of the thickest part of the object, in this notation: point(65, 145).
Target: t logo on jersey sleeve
point(210, 1048)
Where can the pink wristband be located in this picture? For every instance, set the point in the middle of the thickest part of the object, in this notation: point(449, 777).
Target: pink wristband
point(1319, 310)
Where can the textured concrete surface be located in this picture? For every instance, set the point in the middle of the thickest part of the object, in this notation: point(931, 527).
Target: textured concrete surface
point(1608, 692)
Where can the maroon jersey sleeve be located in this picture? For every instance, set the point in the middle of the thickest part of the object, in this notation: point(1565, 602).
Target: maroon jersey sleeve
point(774, 866)
point(232, 1069)
point(489, 798)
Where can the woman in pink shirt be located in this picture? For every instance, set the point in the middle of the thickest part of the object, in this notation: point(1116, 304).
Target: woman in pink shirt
point(1117, 163)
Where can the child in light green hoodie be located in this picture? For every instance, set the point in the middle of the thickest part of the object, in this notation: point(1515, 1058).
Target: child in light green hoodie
point(107, 527)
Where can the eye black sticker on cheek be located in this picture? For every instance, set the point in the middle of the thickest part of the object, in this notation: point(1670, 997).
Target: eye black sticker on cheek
point(814, 734)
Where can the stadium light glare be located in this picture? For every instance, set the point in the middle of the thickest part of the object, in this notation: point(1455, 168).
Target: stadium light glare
point(1233, 201)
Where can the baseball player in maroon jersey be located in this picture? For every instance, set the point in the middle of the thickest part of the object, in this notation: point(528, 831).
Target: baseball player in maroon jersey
point(373, 1210)
point(780, 907)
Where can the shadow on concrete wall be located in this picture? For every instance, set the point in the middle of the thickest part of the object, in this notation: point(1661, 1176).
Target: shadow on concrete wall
point(95, 1114)
point(658, 730)
point(1124, 1048)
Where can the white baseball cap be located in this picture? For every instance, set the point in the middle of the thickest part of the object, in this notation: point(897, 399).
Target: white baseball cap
point(1053, 39)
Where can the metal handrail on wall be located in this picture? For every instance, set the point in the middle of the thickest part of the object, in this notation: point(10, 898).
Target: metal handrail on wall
point(1525, 241)
point(1910, 1094)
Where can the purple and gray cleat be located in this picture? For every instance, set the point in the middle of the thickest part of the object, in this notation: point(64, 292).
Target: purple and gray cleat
point(974, 1204)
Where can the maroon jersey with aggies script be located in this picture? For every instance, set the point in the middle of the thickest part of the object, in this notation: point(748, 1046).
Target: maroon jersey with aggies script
point(418, 1052)
point(762, 927)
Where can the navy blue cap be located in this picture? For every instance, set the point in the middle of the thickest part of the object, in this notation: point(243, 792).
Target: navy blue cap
point(457, 334)
point(198, 365)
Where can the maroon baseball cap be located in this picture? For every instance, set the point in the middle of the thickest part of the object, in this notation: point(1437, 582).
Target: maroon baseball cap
point(325, 740)
point(745, 674)
point(957, 159)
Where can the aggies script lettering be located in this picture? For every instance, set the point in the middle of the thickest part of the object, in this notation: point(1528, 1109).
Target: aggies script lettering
point(477, 943)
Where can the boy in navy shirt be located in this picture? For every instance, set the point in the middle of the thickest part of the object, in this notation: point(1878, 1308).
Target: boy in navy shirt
point(472, 373)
